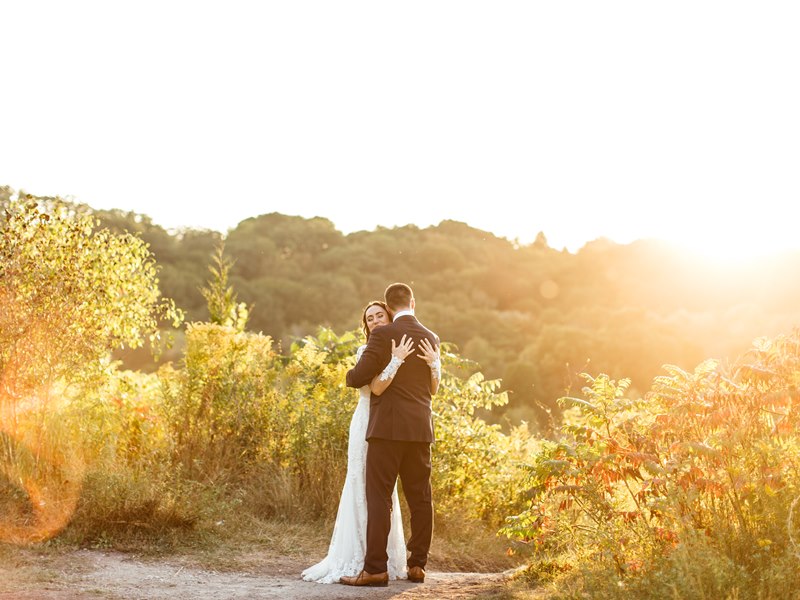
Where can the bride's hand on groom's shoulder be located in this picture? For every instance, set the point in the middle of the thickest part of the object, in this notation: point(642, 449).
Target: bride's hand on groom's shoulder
point(428, 353)
point(405, 347)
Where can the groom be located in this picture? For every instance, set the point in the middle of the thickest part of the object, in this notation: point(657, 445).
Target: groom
point(400, 433)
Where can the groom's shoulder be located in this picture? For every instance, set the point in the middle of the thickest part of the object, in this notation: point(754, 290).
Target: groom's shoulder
point(432, 335)
point(417, 326)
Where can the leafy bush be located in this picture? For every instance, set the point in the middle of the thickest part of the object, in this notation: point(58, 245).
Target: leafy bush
point(477, 468)
point(687, 492)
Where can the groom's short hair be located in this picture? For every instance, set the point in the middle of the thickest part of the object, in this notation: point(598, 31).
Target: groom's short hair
point(398, 295)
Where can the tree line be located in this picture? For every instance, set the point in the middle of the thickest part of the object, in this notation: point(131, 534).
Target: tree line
point(529, 314)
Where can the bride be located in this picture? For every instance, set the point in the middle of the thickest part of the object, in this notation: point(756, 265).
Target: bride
point(349, 540)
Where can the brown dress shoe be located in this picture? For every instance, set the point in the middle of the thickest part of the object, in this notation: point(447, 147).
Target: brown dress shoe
point(368, 579)
point(416, 574)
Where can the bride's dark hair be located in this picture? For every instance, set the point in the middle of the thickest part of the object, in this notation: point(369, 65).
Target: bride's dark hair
point(364, 314)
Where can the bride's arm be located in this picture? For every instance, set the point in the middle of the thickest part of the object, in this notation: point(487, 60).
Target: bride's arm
point(384, 379)
point(431, 356)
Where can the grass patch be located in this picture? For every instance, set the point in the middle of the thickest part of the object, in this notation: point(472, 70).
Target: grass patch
point(468, 545)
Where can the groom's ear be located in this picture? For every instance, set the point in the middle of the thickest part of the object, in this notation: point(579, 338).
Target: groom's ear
point(413, 303)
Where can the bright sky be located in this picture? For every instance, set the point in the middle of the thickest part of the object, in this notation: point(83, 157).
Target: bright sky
point(581, 119)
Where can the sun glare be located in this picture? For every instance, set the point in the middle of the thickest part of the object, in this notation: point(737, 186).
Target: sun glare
point(40, 479)
point(729, 249)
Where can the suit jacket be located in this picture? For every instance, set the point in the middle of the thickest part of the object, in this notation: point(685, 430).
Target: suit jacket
point(403, 411)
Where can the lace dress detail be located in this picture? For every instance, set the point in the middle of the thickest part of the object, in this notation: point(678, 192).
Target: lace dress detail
point(436, 369)
point(349, 540)
point(391, 369)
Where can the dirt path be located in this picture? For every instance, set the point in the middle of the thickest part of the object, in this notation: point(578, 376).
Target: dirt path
point(91, 574)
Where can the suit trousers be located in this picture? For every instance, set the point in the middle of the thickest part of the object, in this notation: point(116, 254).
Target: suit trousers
point(386, 459)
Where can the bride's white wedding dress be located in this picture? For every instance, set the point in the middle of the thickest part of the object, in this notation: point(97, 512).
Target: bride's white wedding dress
point(349, 540)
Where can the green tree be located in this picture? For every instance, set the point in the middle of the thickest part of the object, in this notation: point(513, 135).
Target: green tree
point(69, 294)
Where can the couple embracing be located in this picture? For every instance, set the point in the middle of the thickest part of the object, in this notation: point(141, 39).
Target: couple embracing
point(391, 432)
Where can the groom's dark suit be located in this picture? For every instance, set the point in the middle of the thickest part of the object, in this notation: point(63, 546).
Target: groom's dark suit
point(400, 433)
